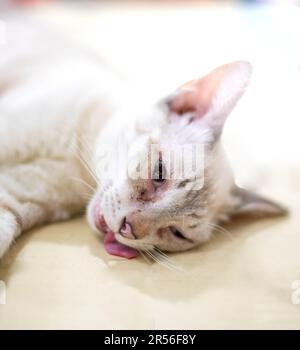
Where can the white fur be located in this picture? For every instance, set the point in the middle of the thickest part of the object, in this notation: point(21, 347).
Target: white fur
point(51, 98)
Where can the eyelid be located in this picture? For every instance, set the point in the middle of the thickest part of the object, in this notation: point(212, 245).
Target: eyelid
point(178, 234)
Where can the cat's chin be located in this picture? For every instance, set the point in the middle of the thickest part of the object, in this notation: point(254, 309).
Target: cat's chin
point(111, 245)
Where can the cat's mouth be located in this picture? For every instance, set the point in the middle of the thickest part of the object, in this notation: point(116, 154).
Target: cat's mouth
point(111, 245)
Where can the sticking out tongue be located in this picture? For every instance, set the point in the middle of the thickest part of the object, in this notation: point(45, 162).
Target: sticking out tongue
point(113, 247)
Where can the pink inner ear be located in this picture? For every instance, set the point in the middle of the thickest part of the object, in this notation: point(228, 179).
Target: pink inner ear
point(196, 96)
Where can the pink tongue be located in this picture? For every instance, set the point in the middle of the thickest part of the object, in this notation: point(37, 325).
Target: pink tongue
point(113, 247)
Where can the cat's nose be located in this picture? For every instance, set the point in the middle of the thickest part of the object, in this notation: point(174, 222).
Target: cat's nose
point(135, 226)
point(126, 230)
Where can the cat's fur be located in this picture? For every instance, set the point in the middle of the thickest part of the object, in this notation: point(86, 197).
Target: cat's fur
point(58, 104)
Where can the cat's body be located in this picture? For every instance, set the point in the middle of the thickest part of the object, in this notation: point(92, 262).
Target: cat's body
point(59, 103)
point(51, 96)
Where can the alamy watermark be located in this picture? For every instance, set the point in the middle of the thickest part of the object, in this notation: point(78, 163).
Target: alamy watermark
point(2, 293)
point(155, 162)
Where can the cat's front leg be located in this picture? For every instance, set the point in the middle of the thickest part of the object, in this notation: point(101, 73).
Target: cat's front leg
point(38, 192)
point(10, 228)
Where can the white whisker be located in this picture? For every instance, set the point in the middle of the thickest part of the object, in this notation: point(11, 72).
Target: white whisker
point(220, 229)
point(86, 146)
point(144, 256)
point(163, 261)
point(86, 196)
point(84, 161)
point(161, 252)
point(157, 260)
point(167, 259)
point(88, 168)
point(84, 183)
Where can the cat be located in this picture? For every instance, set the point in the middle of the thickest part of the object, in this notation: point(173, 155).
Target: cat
point(59, 106)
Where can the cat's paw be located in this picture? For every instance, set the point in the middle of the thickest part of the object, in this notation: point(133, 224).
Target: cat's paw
point(9, 229)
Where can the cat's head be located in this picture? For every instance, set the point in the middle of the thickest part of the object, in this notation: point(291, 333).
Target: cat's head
point(177, 184)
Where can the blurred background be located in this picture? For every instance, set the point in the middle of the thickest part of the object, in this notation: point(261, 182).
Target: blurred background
point(158, 45)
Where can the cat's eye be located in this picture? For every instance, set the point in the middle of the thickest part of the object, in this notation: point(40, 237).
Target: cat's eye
point(159, 172)
point(177, 233)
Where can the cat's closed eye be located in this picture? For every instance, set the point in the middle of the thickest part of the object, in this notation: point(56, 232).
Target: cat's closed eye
point(177, 233)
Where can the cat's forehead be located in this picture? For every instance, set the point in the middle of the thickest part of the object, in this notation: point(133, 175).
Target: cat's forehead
point(150, 118)
point(161, 128)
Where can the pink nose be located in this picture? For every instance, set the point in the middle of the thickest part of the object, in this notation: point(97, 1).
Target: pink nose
point(126, 230)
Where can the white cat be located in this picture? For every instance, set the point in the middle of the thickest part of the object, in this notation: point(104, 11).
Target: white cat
point(59, 105)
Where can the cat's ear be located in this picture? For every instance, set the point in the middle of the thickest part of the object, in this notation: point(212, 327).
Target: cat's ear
point(210, 99)
point(251, 204)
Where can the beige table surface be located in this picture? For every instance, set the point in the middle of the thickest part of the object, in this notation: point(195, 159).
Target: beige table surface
point(59, 276)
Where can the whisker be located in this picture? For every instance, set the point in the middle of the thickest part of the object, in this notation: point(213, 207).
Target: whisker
point(86, 147)
point(84, 153)
point(221, 229)
point(161, 252)
point(167, 259)
point(86, 162)
point(148, 252)
point(157, 260)
point(85, 142)
point(163, 261)
point(86, 165)
point(144, 256)
point(86, 196)
point(84, 183)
